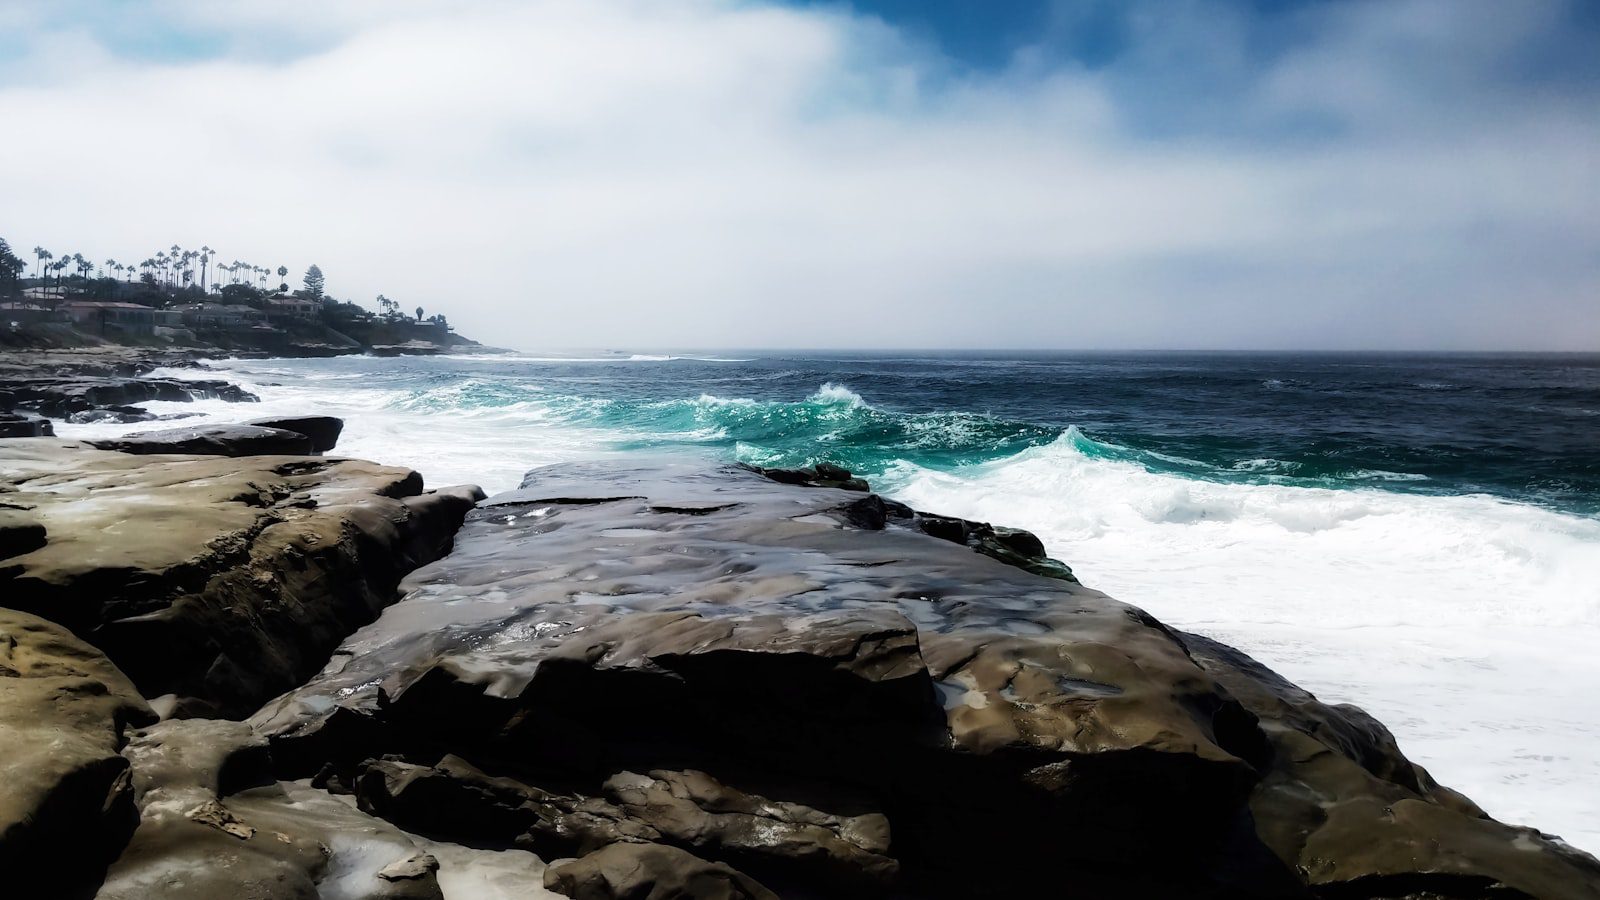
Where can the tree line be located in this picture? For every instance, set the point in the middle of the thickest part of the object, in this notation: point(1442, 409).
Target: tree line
point(173, 274)
point(173, 268)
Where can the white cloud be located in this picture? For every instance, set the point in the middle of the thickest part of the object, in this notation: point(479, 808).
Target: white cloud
point(629, 173)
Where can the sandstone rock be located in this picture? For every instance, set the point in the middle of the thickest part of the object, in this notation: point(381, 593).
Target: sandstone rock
point(823, 475)
point(213, 440)
point(323, 430)
point(650, 872)
point(66, 804)
point(19, 533)
point(100, 384)
point(61, 396)
point(220, 581)
point(215, 825)
point(691, 810)
point(1013, 546)
point(1357, 819)
point(791, 840)
point(14, 425)
point(669, 654)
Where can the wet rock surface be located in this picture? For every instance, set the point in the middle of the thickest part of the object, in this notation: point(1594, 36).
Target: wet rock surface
point(25, 425)
point(60, 397)
point(663, 679)
point(99, 385)
point(214, 583)
point(66, 800)
point(322, 430)
point(661, 669)
point(214, 824)
point(213, 440)
point(623, 871)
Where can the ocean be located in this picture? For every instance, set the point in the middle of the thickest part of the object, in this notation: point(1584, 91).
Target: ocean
point(1415, 534)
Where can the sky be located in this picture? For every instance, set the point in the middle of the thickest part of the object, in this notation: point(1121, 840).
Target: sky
point(1041, 174)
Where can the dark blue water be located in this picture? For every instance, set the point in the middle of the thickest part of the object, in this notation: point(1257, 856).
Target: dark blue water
point(1524, 427)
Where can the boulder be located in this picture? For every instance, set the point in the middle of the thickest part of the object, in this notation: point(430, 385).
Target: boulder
point(214, 440)
point(219, 582)
point(66, 802)
point(669, 664)
point(650, 872)
point(323, 430)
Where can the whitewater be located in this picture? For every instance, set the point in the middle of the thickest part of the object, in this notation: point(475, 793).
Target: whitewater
point(1463, 619)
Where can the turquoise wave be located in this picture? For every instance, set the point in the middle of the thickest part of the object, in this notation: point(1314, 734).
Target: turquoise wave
point(836, 424)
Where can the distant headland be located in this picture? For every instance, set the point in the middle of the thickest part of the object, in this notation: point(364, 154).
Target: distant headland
point(192, 299)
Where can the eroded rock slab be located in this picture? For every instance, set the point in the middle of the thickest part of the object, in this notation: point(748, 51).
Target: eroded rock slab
point(215, 583)
point(60, 396)
point(689, 809)
point(214, 824)
point(24, 425)
point(66, 802)
point(323, 431)
point(214, 440)
point(834, 694)
point(626, 871)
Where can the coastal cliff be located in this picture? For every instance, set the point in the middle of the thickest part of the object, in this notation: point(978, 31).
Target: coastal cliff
point(657, 678)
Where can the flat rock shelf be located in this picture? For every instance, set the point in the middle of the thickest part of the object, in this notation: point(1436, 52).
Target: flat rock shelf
point(659, 679)
point(811, 692)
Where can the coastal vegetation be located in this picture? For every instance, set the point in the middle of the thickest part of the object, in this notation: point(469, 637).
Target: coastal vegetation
point(195, 297)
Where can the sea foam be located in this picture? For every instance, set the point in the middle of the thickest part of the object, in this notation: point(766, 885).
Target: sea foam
point(1465, 623)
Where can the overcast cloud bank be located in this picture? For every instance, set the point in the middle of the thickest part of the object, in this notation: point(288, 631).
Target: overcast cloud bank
point(699, 173)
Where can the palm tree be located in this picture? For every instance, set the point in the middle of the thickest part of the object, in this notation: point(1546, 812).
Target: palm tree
point(205, 257)
point(43, 256)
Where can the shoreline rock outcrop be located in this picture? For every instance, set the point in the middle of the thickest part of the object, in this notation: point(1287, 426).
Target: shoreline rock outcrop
point(649, 678)
point(213, 440)
point(762, 678)
point(323, 431)
point(96, 385)
point(215, 583)
point(66, 799)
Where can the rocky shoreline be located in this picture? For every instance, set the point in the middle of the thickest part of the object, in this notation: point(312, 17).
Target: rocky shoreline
point(235, 666)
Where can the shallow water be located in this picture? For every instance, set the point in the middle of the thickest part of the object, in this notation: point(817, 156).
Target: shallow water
point(1419, 535)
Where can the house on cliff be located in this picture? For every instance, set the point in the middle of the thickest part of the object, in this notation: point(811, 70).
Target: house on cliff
point(22, 313)
point(105, 315)
point(229, 316)
point(292, 309)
